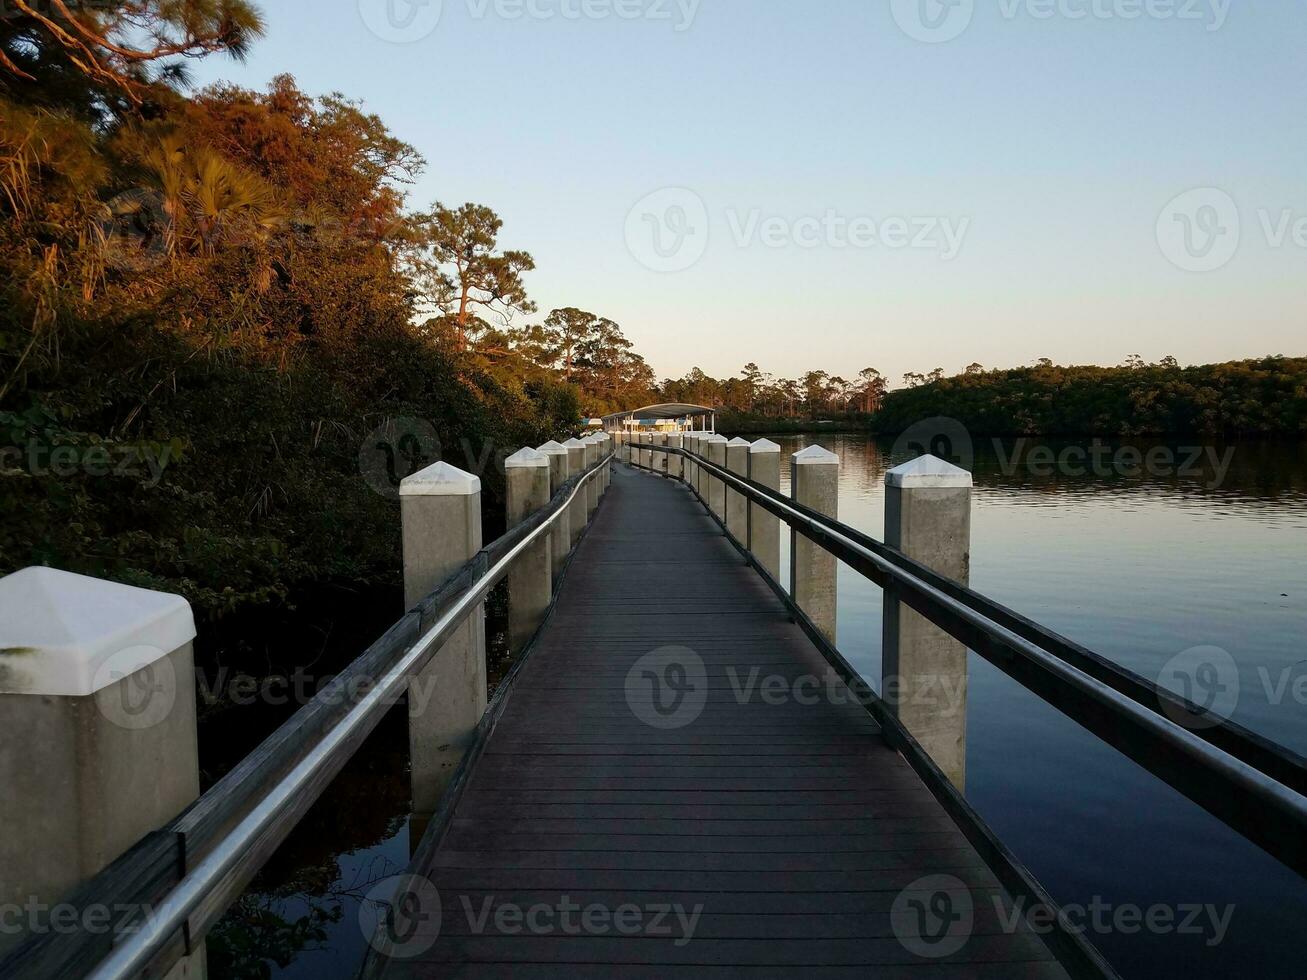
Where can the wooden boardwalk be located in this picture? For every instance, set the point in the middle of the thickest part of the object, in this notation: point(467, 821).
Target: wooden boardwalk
point(790, 826)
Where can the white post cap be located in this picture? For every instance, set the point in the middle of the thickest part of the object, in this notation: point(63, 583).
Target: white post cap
point(440, 480)
point(553, 448)
point(71, 635)
point(524, 458)
point(928, 473)
point(764, 446)
point(737, 442)
point(814, 454)
point(713, 437)
point(574, 444)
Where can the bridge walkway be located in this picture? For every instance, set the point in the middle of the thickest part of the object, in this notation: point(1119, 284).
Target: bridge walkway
point(673, 791)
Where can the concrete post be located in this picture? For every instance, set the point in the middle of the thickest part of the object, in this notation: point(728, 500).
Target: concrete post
point(441, 511)
point(700, 476)
point(675, 465)
point(605, 449)
point(716, 453)
point(576, 465)
point(560, 543)
point(592, 456)
point(97, 730)
point(737, 505)
point(689, 442)
point(659, 459)
point(765, 527)
point(645, 440)
point(923, 669)
point(531, 579)
point(814, 476)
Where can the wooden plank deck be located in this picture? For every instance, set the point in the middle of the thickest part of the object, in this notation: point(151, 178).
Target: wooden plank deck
point(791, 827)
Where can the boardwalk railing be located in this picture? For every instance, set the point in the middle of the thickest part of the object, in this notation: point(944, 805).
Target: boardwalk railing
point(182, 878)
point(1252, 785)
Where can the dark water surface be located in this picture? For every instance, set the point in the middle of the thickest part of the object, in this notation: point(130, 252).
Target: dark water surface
point(1137, 566)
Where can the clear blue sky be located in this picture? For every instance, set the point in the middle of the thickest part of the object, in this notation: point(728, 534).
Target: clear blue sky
point(1054, 143)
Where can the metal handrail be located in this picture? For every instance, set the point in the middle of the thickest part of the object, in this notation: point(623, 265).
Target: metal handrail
point(1249, 800)
point(231, 856)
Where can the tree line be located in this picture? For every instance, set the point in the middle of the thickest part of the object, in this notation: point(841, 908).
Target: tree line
point(1260, 396)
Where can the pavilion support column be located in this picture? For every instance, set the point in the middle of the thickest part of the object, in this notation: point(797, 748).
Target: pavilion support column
point(441, 512)
point(924, 670)
point(815, 475)
point(560, 543)
point(97, 737)
point(737, 505)
point(764, 526)
point(531, 579)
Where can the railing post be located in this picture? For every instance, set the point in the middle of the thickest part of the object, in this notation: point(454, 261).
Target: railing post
point(691, 443)
point(674, 463)
point(441, 511)
point(575, 466)
point(737, 505)
point(716, 446)
point(646, 457)
point(701, 475)
point(560, 536)
point(97, 731)
point(531, 579)
point(765, 527)
point(605, 448)
point(923, 669)
point(659, 459)
point(814, 478)
point(592, 454)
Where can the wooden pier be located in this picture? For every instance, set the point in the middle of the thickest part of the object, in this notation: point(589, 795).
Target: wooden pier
point(793, 826)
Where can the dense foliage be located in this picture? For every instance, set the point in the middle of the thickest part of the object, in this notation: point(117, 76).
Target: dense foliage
point(213, 306)
point(1251, 397)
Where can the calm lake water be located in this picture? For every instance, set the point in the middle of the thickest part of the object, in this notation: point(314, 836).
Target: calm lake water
point(1138, 567)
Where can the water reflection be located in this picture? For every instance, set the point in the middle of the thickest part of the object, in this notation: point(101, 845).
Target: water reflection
point(1138, 567)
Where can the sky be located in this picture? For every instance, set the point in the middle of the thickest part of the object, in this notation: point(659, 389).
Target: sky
point(838, 184)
